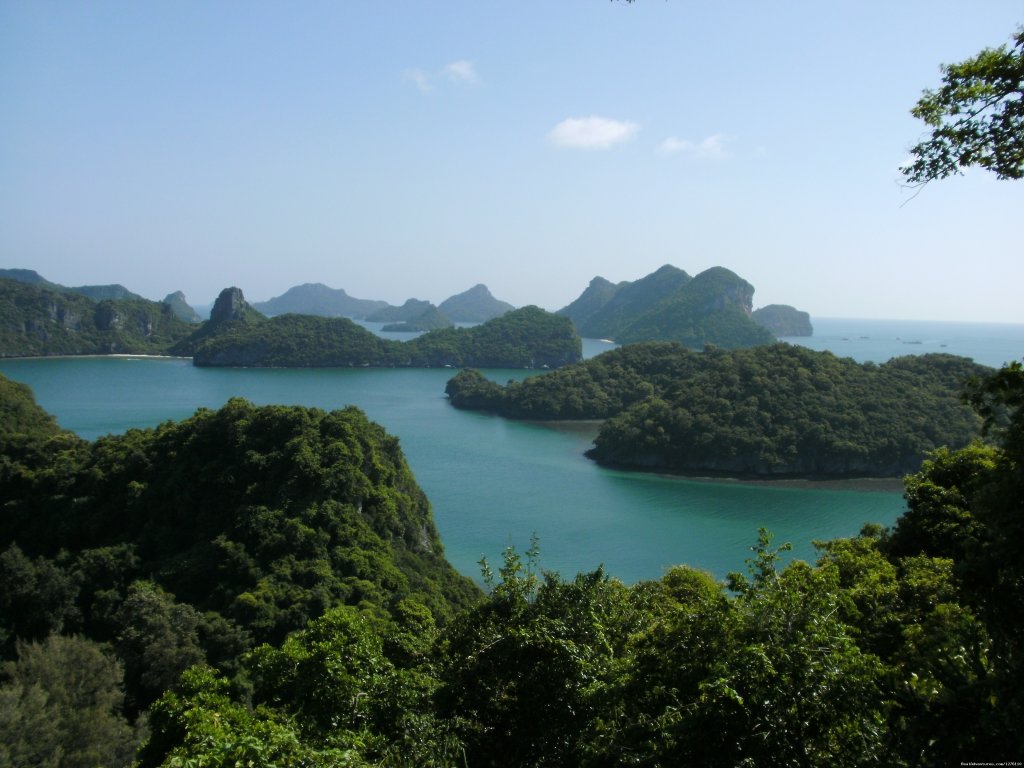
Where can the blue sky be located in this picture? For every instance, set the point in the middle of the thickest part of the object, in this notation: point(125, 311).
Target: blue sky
point(412, 149)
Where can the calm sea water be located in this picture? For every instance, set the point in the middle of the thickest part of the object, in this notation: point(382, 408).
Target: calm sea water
point(495, 483)
point(878, 340)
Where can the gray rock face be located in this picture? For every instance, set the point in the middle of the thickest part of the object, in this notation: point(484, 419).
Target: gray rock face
point(176, 301)
point(230, 305)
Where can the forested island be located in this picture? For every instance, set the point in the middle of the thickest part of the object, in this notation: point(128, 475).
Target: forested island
point(524, 338)
point(783, 320)
point(410, 310)
point(713, 307)
point(767, 411)
point(264, 586)
point(44, 319)
point(318, 299)
point(430, 319)
point(475, 305)
point(39, 319)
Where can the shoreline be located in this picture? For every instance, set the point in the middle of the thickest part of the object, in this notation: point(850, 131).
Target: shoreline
point(121, 355)
point(860, 484)
point(866, 483)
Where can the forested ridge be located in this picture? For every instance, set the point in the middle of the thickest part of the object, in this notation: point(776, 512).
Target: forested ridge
point(668, 305)
point(38, 320)
point(264, 586)
point(523, 338)
point(769, 410)
point(199, 540)
point(35, 320)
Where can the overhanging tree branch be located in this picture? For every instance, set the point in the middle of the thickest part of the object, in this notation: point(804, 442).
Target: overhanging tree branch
point(977, 118)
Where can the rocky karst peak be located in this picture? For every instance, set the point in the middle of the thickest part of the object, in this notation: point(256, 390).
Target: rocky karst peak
point(230, 305)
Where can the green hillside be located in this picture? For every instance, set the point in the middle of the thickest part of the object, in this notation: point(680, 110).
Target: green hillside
point(180, 306)
point(245, 523)
point(410, 310)
point(713, 308)
point(40, 321)
point(769, 410)
point(632, 300)
point(595, 297)
point(525, 338)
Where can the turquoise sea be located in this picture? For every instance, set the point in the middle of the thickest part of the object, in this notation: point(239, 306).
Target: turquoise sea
point(494, 483)
point(992, 344)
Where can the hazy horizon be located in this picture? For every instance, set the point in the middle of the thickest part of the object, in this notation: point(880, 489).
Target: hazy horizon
point(413, 150)
point(207, 304)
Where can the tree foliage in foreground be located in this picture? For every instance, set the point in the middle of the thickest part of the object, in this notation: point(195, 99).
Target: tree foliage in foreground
point(897, 647)
point(864, 658)
point(195, 541)
point(976, 118)
point(900, 647)
point(61, 705)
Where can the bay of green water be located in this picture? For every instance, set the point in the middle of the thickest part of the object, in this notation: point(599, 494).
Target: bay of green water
point(492, 482)
point(495, 483)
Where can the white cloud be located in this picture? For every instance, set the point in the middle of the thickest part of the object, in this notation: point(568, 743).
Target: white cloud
point(671, 145)
point(462, 72)
point(713, 146)
point(421, 79)
point(592, 132)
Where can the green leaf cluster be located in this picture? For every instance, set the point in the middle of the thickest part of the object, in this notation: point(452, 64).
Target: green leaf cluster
point(61, 705)
point(976, 118)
